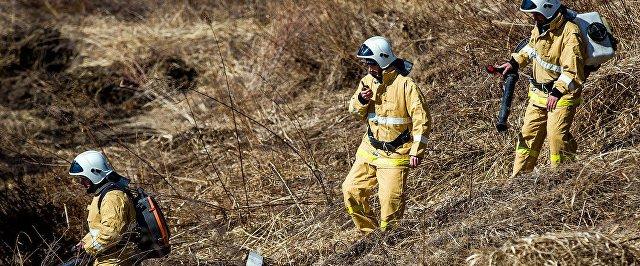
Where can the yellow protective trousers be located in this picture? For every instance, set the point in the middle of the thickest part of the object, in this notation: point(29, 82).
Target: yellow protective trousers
point(359, 186)
point(538, 124)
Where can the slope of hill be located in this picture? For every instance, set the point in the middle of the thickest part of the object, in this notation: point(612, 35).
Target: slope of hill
point(240, 128)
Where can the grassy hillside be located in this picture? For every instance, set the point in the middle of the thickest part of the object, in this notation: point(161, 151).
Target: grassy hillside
point(240, 129)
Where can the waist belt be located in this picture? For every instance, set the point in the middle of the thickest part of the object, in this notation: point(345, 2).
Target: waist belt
point(403, 138)
point(544, 87)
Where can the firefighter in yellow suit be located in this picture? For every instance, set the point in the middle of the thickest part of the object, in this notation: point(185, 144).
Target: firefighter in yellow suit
point(556, 52)
point(398, 124)
point(113, 220)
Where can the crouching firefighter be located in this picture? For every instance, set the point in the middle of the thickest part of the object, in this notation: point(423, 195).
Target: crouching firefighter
point(398, 124)
point(112, 215)
point(556, 52)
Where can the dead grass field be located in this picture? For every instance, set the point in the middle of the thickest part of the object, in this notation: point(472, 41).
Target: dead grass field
point(240, 129)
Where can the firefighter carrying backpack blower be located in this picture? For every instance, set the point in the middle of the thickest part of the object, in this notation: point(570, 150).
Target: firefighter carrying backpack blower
point(124, 228)
point(563, 49)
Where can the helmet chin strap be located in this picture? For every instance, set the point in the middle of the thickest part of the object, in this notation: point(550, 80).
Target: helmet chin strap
point(95, 188)
point(548, 21)
point(378, 77)
point(92, 189)
point(544, 26)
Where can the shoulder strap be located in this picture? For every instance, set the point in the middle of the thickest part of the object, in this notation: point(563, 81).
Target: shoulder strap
point(109, 188)
point(569, 14)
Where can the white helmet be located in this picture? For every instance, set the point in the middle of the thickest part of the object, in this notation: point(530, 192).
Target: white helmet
point(547, 8)
point(92, 165)
point(377, 48)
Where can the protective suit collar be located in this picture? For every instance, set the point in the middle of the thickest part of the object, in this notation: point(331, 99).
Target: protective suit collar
point(555, 23)
point(388, 76)
point(122, 182)
point(400, 66)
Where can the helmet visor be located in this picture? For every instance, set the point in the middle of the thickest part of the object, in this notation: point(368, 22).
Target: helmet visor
point(75, 168)
point(365, 51)
point(528, 5)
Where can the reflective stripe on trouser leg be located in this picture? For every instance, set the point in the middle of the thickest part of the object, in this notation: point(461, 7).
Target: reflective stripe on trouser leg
point(391, 184)
point(530, 139)
point(562, 145)
point(356, 189)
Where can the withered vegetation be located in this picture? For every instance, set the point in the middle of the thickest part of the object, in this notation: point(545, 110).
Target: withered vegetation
point(240, 129)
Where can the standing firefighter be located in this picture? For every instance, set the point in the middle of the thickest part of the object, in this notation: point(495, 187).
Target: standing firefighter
point(112, 218)
point(557, 53)
point(398, 124)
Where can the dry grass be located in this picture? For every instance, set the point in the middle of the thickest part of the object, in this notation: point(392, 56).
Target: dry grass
point(560, 249)
point(291, 70)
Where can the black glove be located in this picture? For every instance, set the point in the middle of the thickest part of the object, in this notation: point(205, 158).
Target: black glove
point(514, 66)
point(362, 100)
point(556, 93)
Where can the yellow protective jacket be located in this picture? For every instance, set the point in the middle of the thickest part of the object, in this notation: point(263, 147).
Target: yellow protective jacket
point(397, 105)
point(109, 223)
point(558, 56)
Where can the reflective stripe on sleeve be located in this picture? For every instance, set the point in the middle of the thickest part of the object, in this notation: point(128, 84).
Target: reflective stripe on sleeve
point(567, 80)
point(388, 120)
point(94, 239)
point(420, 138)
point(546, 65)
point(561, 103)
point(528, 50)
point(96, 246)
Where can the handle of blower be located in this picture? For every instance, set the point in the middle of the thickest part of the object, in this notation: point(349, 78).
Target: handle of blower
point(494, 70)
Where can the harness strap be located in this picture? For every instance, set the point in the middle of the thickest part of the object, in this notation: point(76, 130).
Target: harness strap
point(545, 87)
point(401, 139)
